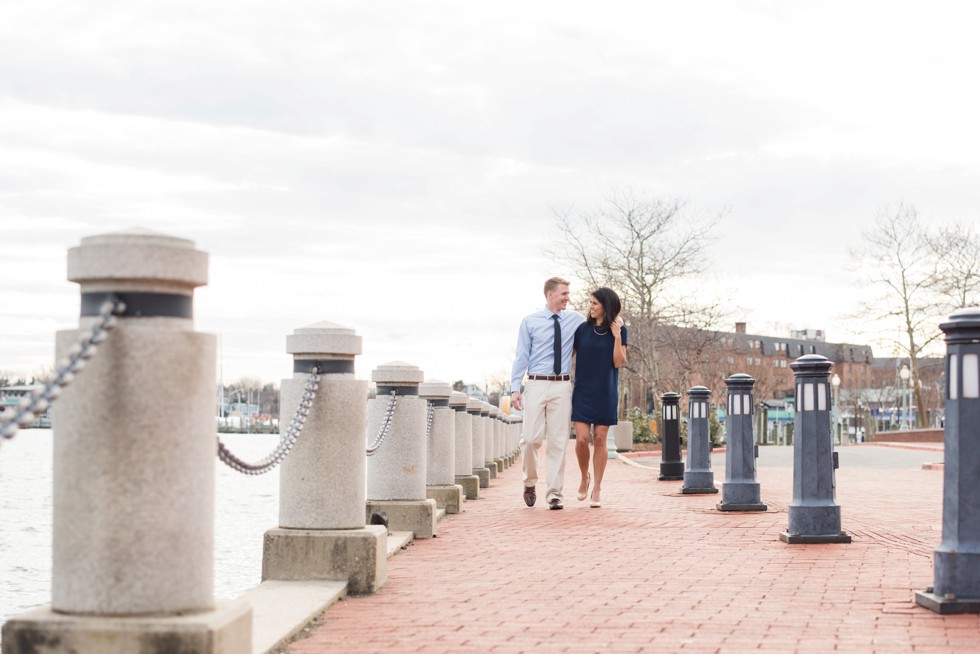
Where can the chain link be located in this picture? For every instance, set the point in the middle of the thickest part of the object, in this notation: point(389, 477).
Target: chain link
point(428, 417)
point(42, 398)
point(285, 443)
point(385, 423)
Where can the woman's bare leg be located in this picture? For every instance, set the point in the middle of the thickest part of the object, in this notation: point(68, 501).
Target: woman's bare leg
point(599, 458)
point(582, 454)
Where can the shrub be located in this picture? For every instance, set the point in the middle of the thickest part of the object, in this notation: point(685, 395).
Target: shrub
point(641, 426)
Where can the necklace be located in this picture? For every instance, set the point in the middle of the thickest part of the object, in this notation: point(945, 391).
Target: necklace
point(598, 333)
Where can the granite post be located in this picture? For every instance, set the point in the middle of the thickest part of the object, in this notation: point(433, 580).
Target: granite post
point(517, 432)
point(622, 436)
point(321, 533)
point(134, 462)
point(698, 478)
point(396, 472)
point(497, 450)
point(464, 447)
point(671, 465)
point(814, 514)
point(487, 426)
point(956, 562)
point(474, 408)
point(440, 472)
point(740, 490)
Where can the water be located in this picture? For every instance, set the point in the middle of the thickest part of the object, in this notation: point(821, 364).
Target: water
point(245, 507)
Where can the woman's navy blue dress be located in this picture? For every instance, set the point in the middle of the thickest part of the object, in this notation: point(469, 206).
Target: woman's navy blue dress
point(595, 397)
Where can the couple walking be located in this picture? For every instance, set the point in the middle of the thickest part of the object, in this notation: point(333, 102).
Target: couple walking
point(545, 344)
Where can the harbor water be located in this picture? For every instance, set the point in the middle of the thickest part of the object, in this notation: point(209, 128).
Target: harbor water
point(245, 507)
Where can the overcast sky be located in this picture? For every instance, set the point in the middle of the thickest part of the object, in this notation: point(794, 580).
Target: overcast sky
point(393, 166)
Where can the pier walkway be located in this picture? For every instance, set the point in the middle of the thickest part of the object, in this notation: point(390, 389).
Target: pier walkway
point(657, 571)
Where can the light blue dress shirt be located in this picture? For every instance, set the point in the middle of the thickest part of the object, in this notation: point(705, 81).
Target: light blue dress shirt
point(536, 345)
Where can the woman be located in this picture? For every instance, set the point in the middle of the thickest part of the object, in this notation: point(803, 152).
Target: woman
point(600, 351)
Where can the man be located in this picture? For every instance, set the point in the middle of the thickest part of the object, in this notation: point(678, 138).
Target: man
point(544, 352)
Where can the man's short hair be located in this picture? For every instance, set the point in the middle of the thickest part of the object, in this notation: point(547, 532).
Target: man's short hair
point(554, 283)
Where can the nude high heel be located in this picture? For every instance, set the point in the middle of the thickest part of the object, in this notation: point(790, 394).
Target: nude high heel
point(582, 494)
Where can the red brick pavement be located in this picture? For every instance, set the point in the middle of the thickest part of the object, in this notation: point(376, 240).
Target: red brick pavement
point(657, 571)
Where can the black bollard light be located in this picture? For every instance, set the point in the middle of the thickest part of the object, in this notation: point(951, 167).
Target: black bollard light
point(956, 562)
point(698, 479)
point(740, 490)
point(814, 514)
point(671, 465)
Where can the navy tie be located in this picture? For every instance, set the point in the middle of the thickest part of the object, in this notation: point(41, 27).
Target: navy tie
point(557, 345)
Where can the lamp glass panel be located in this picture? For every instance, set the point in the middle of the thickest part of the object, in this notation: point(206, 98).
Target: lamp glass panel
point(746, 405)
point(821, 397)
point(808, 396)
point(953, 377)
point(971, 376)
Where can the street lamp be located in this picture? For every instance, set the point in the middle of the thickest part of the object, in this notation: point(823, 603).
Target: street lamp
point(835, 382)
point(904, 374)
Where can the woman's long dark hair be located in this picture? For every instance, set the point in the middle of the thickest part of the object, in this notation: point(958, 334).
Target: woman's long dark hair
point(611, 306)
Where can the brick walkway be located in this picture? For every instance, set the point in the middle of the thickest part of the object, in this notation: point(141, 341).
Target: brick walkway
point(657, 571)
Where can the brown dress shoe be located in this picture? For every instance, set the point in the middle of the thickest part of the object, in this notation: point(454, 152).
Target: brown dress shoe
point(555, 504)
point(529, 495)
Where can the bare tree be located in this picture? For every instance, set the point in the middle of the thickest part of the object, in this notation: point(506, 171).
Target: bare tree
point(42, 373)
point(957, 251)
point(902, 269)
point(643, 248)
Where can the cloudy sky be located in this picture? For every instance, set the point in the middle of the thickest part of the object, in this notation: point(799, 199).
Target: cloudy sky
point(393, 166)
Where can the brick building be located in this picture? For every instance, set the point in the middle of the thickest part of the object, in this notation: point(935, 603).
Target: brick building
point(870, 395)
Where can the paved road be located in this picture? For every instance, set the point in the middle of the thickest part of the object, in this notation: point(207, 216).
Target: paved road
point(657, 571)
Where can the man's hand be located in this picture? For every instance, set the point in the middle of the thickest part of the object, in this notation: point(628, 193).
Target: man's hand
point(515, 401)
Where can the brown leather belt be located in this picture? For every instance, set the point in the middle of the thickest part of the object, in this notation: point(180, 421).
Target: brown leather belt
point(550, 377)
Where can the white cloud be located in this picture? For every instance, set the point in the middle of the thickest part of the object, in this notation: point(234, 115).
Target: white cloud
point(392, 166)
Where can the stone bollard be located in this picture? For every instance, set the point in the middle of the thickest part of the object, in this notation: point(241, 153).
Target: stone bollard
point(814, 514)
point(671, 465)
point(474, 408)
point(698, 479)
point(440, 445)
point(517, 432)
point(321, 532)
point(134, 466)
point(740, 490)
point(509, 439)
point(502, 423)
point(956, 562)
point(510, 444)
point(496, 452)
point(396, 471)
point(622, 433)
point(464, 447)
point(488, 462)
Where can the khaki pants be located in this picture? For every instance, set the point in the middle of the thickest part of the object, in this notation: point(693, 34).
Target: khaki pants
point(547, 416)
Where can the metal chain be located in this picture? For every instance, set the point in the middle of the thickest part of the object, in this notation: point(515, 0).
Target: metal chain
point(428, 417)
point(385, 423)
point(285, 443)
point(42, 398)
